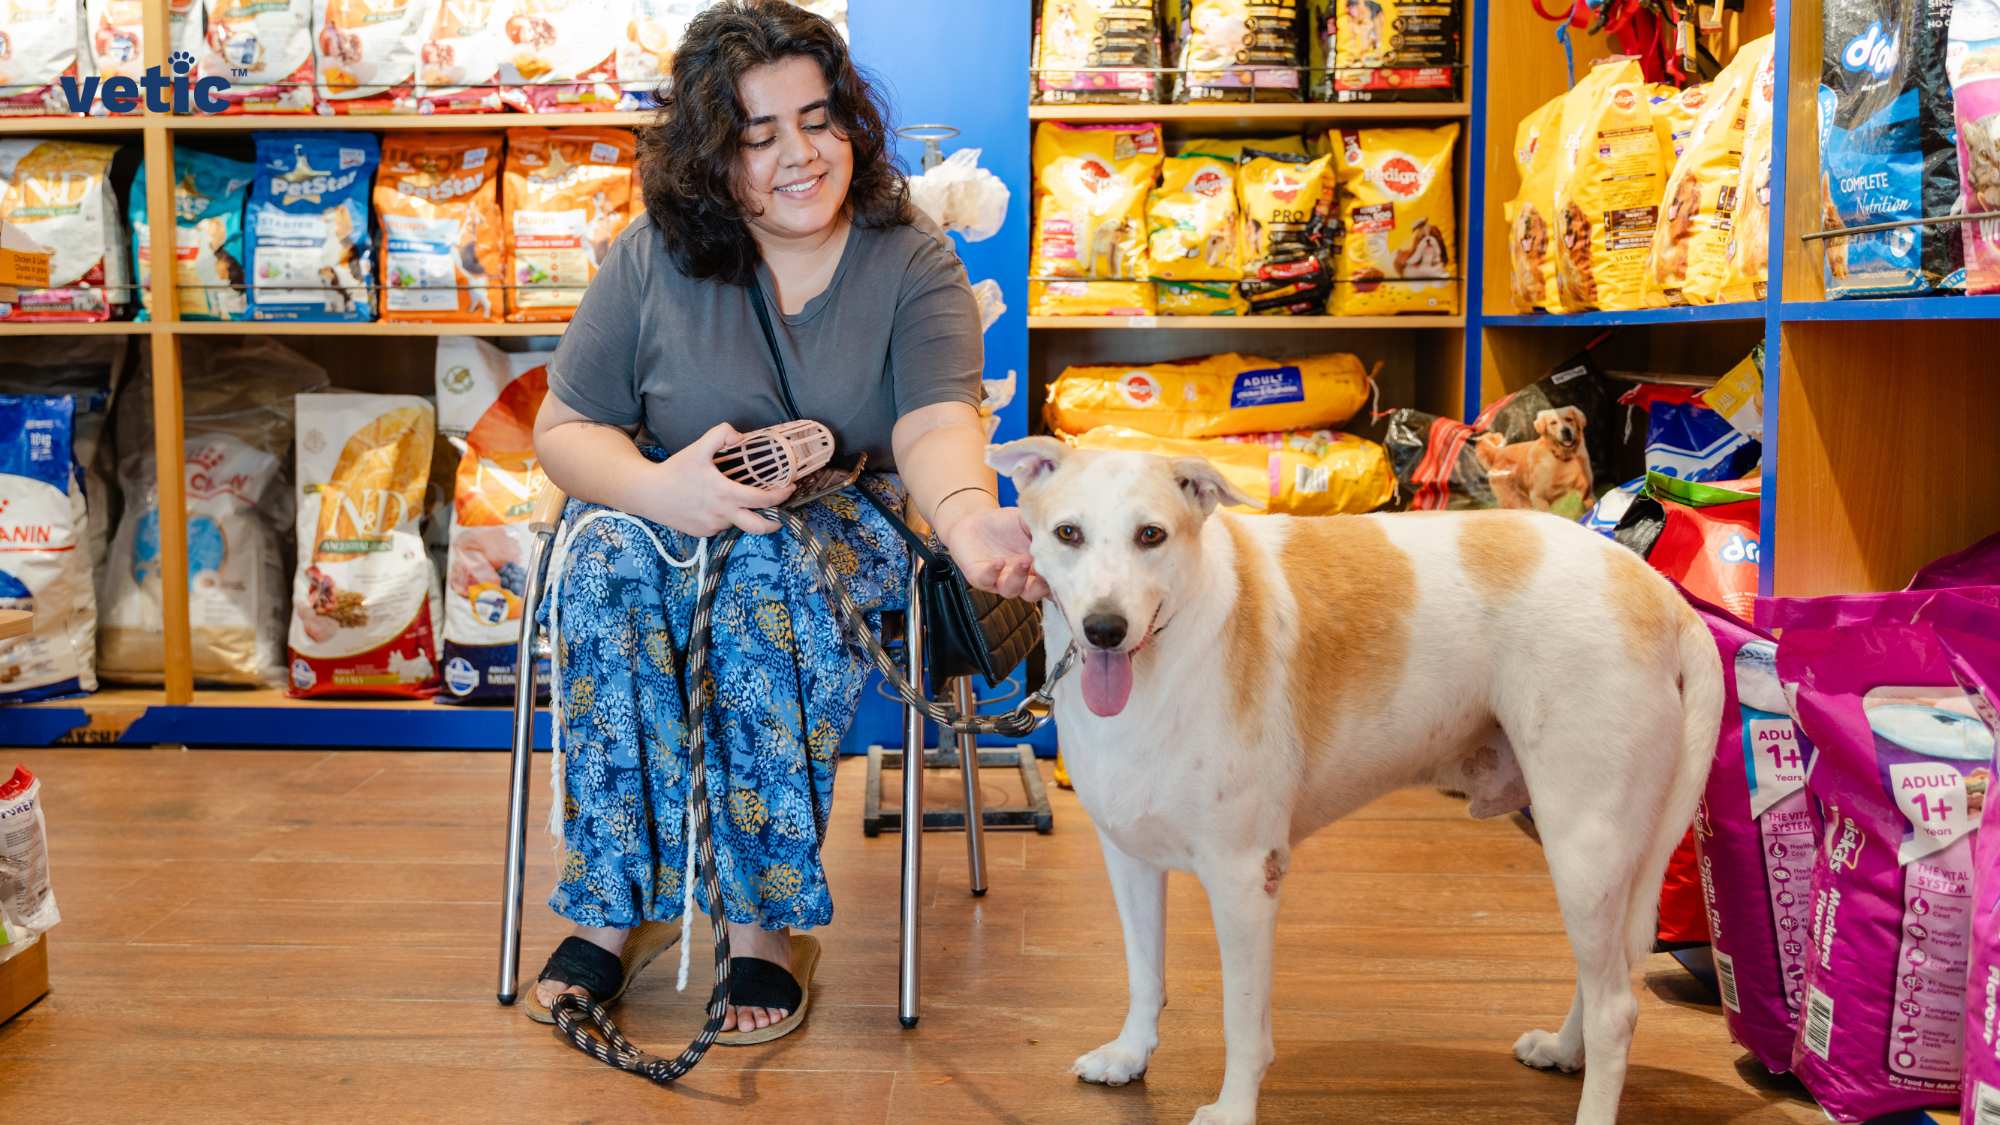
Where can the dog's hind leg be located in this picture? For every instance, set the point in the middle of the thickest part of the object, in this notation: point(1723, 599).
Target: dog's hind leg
point(1141, 891)
point(1243, 898)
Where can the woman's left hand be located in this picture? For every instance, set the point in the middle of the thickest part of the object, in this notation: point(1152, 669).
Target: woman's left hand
point(991, 550)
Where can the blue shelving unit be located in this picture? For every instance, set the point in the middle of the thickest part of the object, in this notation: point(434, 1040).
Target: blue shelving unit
point(1685, 314)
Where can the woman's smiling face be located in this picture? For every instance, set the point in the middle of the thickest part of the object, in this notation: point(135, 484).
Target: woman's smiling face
point(796, 166)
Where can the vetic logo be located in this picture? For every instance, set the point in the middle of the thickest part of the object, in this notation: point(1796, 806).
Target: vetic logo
point(160, 93)
point(1874, 50)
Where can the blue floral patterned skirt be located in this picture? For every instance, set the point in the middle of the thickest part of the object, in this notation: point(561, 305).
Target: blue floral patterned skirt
point(787, 679)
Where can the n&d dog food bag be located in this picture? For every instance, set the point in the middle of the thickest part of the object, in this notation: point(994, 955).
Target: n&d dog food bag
point(1301, 473)
point(1749, 257)
point(1390, 51)
point(438, 198)
point(1691, 244)
point(1608, 185)
point(58, 193)
point(560, 55)
point(1092, 298)
point(115, 31)
point(1241, 50)
point(1973, 62)
point(487, 401)
point(1193, 220)
point(308, 227)
point(1399, 231)
point(567, 193)
point(1104, 37)
point(265, 49)
point(366, 53)
point(365, 603)
point(1287, 204)
point(1531, 215)
point(1212, 396)
point(1091, 183)
point(458, 62)
point(44, 561)
point(209, 192)
point(42, 40)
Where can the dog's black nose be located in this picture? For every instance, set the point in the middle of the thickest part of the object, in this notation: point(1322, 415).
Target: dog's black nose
point(1105, 630)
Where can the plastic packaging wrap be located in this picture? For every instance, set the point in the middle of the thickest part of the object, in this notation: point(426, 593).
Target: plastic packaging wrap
point(27, 901)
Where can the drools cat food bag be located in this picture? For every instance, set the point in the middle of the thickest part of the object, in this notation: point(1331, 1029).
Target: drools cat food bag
point(1211, 396)
point(458, 62)
point(438, 198)
point(560, 55)
point(366, 53)
point(1691, 243)
point(1531, 215)
point(1301, 473)
point(265, 49)
point(1608, 183)
point(1749, 256)
point(115, 32)
point(1289, 223)
point(1399, 228)
point(58, 194)
point(1973, 63)
point(1092, 298)
point(1390, 51)
point(487, 401)
point(209, 192)
point(1241, 50)
point(1192, 220)
point(1755, 835)
point(365, 601)
point(27, 901)
point(1091, 183)
point(44, 563)
point(568, 192)
point(42, 46)
point(307, 222)
point(1104, 37)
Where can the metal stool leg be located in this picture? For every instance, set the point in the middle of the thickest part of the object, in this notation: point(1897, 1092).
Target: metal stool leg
point(907, 1000)
point(968, 765)
point(524, 754)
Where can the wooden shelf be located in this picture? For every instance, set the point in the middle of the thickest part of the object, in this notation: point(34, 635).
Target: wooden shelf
point(1226, 323)
point(366, 122)
point(77, 328)
point(368, 328)
point(129, 123)
point(1257, 113)
point(1894, 308)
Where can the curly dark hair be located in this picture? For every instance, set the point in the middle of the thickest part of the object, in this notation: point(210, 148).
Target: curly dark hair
point(689, 157)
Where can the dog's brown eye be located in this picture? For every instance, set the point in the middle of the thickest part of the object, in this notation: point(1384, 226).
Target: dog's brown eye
point(1069, 533)
point(1151, 535)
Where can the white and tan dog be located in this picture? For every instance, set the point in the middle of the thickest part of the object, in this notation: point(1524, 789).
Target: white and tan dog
point(1247, 680)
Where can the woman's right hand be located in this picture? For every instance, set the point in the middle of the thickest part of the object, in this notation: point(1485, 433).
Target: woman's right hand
point(690, 495)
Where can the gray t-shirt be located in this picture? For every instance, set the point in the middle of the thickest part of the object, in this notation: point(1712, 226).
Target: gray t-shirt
point(896, 329)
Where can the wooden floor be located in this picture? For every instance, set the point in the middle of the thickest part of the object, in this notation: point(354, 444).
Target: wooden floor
point(310, 937)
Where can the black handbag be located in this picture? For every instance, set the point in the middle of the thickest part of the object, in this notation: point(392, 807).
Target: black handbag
point(966, 630)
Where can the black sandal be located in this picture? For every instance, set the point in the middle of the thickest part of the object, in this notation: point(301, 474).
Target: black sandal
point(602, 975)
point(757, 983)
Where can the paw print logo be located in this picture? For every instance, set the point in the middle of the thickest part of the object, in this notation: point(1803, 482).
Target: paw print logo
point(182, 63)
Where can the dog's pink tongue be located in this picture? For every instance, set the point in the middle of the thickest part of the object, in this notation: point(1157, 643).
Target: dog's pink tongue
point(1107, 681)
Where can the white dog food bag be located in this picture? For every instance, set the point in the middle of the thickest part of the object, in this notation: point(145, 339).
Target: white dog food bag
point(42, 45)
point(561, 55)
point(116, 30)
point(59, 194)
point(365, 601)
point(458, 61)
point(44, 558)
point(27, 901)
point(365, 53)
point(265, 49)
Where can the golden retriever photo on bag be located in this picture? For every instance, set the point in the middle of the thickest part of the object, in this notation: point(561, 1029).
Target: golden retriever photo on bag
point(1671, 264)
point(1579, 288)
point(1550, 473)
point(1531, 251)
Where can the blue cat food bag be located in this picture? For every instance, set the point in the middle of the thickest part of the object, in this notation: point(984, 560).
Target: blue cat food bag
point(208, 236)
point(44, 552)
point(307, 226)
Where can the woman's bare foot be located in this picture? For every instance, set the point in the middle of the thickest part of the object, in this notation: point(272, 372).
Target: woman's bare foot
point(774, 946)
point(610, 940)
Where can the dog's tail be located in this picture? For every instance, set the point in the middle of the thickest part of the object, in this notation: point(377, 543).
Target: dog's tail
point(1701, 719)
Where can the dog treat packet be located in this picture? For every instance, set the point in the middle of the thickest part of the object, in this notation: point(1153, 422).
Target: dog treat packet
point(1707, 538)
point(1530, 216)
point(1674, 113)
point(1691, 243)
point(567, 194)
point(1399, 229)
point(366, 51)
point(487, 401)
point(560, 55)
point(458, 61)
point(1211, 396)
point(1749, 255)
point(1105, 36)
point(265, 49)
point(1092, 298)
point(58, 194)
point(1241, 50)
point(1091, 183)
point(438, 198)
point(308, 227)
point(365, 600)
point(1289, 225)
point(1973, 64)
point(27, 901)
point(1192, 220)
point(209, 192)
point(1687, 439)
point(43, 45)
point(1390, 51)
point(1313, 472)
point(115, 31)
point(1200, 298)
point(1608, 182)
point(44, 558)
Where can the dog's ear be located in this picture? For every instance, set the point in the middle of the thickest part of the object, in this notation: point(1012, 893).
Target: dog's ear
point(1577, 416)
point(1028, 459)
point(1543, 421)
point(1205, 487)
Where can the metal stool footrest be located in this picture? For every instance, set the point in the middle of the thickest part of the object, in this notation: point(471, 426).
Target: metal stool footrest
point(1035, 814)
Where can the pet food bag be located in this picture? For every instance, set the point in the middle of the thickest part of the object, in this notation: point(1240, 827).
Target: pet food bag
point(1287, 205)
point(1973, 64)
point(1192, 220)
point(1091, 183)
point(209, 192)
point(1241, 50)
point(1687, 439)
point(1399, 230)
point(1232, 148)
point(1755, 834)
point(1301, 473)
point(1211, 396)
point(265, 49)
point(1674, 113)
point(1708, 540)
point(568, 193)
point(1390, 51)
point(27, 901)
point(438, 198)
point(1977, 565)
point(1092, 298)
point(58, 194)
point(1691, 243)
point(1530, 217)
point(1200, 298)
point(1105, 36)
point(237, 402)
point(645, 54)
point(1749, 255)
point(487, 401)
point(458, 62)
point(308, 227)
point(42, 41)
point(365, 602)
point(44, 563)
point(1608, 183)
point(116, 35)
point(560, 55)
point(81, 367)
point(366, 53)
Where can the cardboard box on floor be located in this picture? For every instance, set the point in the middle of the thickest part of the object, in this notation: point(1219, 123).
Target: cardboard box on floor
point(24, 979)
point(23, 264)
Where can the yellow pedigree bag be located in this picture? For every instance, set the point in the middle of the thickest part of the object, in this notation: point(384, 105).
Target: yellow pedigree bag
point(1191, 220)
point(1674, 114)
point(1302, 473)
point(1210, 396)
point(1749, 255)
point(1608, 182)
point(1231, 148)
point(1531, 216)
point(1091, 298)
point(1399, 246)
point(1201, 298)
point(1091, 183)
point(1691, 244)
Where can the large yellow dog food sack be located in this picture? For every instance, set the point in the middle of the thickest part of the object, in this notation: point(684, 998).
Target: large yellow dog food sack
point(1674, 114)
point(1191, 220)
point(1691, 243)
point(1608, 183)
point(1302, 473)
point(1091, 298)
point(1201, 298)
point(1399, 242)
point(1749, 258)
point(1211, 396)
point(365, 602)
point(1091, 183)
point(1531, 256)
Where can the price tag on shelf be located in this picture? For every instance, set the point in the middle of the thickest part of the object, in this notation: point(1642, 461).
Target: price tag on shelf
point(1142, 322)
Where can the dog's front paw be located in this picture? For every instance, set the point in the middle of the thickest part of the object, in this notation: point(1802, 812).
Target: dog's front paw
point(1219, 1114)
point(1543, 1050)
point(1113, 1064)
